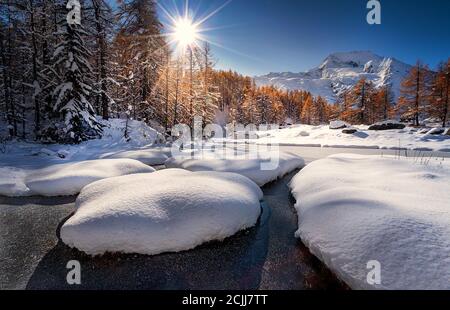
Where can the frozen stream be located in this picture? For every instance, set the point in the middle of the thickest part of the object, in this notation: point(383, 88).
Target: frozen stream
point(265, 257)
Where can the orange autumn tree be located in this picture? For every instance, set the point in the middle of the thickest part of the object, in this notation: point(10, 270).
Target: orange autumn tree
point(359, 105)
point(307, 112)
point(414, 94)
point(382, 104)
point(440, 93)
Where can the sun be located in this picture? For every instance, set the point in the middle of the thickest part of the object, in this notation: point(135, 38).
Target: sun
point(185, 29)
point(185, 32)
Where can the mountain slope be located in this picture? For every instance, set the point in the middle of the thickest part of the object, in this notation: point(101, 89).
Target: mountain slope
point(341, 71)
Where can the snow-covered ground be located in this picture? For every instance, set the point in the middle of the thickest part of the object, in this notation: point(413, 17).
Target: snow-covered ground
point(322, 136)
point(143, 144)
point(167, 211)
point(64, 179)
point(354, 209)
point(261, 169)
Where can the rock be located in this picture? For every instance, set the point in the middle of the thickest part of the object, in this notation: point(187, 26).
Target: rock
point(447, 133)
point(335, 125)
point(436, 131)
point(303, 134)
point(387, 125)
point(349, 131)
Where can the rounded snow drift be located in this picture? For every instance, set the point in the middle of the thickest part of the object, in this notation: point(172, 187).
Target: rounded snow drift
point(167, 211)
point(69, 179)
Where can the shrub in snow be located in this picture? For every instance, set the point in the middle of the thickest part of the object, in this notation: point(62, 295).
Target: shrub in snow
point(166, 211)
point(335, 125)
point(66, 179)
point(251, 168)
point(387, 125)
point(355, 209)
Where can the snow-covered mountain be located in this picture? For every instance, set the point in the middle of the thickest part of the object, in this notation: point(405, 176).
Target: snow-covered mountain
point(341, 71)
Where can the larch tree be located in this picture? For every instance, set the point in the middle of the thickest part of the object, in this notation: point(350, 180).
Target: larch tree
point(142, 57)
point(307, 110)
point(414, 94)
point(440, 94)
point(102, 20)
point(358, 111)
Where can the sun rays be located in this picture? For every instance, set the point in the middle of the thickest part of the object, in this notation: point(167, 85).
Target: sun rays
point(186, 30)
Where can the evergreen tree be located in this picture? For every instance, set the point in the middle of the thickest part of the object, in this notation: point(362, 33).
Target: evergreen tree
point(73, 91)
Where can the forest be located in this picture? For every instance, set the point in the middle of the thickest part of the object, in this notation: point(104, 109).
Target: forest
point(58, 80)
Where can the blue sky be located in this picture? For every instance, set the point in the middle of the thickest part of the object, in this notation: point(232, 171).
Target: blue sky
point(262, 36)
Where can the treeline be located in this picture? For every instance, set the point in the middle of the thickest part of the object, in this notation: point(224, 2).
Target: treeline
point(424, 94)
point(59, 79)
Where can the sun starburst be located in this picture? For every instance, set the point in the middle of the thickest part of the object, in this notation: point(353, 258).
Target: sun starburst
point(185, 30)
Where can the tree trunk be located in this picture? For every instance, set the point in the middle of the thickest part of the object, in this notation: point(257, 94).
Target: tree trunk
point(166, 119)
point(416, 115)
point(102, 70)
point(447, 91)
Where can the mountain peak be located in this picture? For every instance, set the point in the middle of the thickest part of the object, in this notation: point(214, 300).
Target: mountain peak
point(341, 71)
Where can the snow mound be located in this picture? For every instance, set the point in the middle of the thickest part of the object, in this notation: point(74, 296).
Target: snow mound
point(356, 209)
point(65, 179)
point(151, 157)
point(251, 168)
point(167, 211)
point(12, 182)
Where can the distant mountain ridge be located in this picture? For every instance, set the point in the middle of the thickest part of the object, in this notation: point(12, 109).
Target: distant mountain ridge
point(341, 71)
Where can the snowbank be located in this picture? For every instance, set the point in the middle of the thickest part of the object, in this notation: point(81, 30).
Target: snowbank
point(65, 179)
point(284, 163)
point(323, 136)
point(166, 211)
point(151, 157)
point(143, 143)
point(355, 209)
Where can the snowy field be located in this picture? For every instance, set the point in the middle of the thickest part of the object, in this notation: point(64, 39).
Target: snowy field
point(354, 209)
point(167, 211)
point(322, 136)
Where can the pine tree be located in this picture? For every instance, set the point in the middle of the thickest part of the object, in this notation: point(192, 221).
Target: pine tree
point(414, 94)
point(73, 92)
